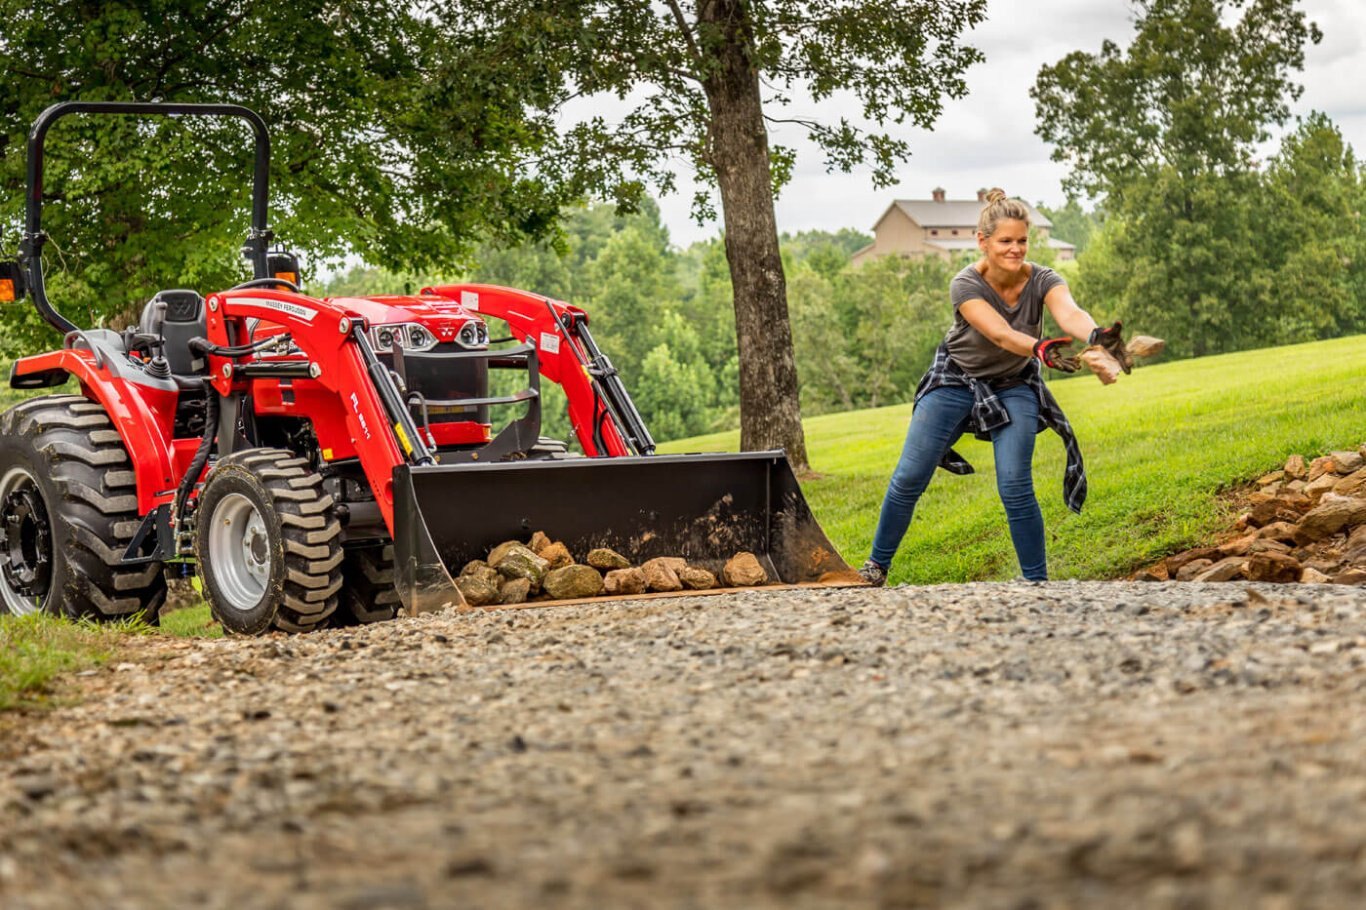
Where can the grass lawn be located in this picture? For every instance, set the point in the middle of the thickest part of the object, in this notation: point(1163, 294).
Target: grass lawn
point(35, 650)
point(1160, 446)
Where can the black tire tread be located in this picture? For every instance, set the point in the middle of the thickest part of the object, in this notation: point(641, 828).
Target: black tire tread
point(370, 595)
point(310, 536)
point(88, 463)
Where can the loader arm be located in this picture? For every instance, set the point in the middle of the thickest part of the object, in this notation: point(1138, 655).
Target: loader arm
point(604, 418)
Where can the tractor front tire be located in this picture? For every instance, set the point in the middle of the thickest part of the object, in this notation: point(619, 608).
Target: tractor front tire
point(68, 510)
point(369, 594)
point(268, 543)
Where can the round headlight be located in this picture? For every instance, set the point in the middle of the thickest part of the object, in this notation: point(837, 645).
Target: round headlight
point(386, 338)
point(483, 333)
point(417, 336)
point(469, 335)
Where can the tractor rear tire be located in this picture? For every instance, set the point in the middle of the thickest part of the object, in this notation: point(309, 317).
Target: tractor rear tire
point(68, 510)
point(268, 543)
point(369, 594)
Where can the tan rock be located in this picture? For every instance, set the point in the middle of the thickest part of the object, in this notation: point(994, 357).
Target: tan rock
point(1329, 518)
point(1155, 572)
point(1224, 570)
point(476, 590)
point(743, 570)
point(573, 581)
point(519, 562)
point(1273, 477)
point(1268, 546)
point(497, 553)
point(474, 565)
point(1320, 485)
point(660, 575)
point(1346, 462)
point(1278, 530)
point(1194, 567)
point(1355, 548)
point(696, 579)
point(1145, 346)
point(1294, 486)
point(1353, 484)
point(1099, 361)
point(1312, 576)
point(624, 581)
point(1177, 561)
point(1275, 567)
point(514, 591)
point(605, 559)
point(1295, 467)
point(1270, 511)
point(539, 541)
point(1238, 546)
point(557, 554)
point(1319, 466)
point(1350, 577)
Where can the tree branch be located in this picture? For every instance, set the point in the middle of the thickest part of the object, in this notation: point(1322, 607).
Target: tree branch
point(682, 21)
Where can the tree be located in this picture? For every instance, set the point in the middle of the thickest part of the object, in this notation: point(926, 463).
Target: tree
point(1164, 133)
point(701, 76)
point(140, 205)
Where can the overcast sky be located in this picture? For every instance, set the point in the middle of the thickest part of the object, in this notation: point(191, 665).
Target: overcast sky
point(987, 138)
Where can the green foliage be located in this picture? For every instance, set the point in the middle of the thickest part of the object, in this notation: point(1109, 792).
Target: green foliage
point(1073, 223)
point(1199, 245)
point(1162, 448)
point(138, 204)
point(36, 649)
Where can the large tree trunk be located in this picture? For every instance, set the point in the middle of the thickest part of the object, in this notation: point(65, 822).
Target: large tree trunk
point(770, 412)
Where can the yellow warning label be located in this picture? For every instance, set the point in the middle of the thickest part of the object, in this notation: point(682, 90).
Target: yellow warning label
point(403, 439)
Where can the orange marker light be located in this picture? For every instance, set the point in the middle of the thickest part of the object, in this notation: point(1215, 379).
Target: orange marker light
point(291, 277)
point(6, 290)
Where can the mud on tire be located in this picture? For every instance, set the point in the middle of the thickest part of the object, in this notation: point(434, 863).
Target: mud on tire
point(68, 510)
point(268, 543)
point(369, 594)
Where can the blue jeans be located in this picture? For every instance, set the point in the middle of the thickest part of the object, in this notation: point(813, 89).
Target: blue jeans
point(939, 419)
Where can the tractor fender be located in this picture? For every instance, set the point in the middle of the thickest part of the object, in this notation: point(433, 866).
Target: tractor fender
point(142, 409)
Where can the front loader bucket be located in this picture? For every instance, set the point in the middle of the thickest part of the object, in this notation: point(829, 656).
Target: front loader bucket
point(704, 508)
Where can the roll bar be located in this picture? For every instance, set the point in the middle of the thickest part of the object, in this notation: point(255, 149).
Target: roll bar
point(31, 246)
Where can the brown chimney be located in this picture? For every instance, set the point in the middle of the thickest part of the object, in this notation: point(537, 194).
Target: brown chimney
point(938, 193)
point(981, 195)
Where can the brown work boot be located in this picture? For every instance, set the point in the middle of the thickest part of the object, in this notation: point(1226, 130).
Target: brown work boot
point(873, 573)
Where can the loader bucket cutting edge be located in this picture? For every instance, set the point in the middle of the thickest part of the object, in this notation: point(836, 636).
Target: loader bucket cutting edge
point(704, 508)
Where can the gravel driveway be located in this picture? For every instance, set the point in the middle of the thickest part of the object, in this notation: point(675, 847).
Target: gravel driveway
point(987, 745)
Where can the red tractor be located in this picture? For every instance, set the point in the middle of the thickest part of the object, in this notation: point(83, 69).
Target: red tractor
point(330, 460)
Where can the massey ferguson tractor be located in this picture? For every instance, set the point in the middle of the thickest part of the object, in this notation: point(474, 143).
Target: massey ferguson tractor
point(322, 461)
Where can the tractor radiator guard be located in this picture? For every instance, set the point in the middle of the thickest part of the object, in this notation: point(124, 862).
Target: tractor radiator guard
point(704, 508)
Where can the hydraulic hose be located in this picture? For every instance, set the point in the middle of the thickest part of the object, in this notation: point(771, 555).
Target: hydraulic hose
point(201, 455)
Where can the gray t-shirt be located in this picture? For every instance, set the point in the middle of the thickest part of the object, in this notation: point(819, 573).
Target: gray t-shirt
point(972, 350)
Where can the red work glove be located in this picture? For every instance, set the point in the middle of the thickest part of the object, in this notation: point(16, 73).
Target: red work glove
point(1112, 340)
point(1056, 354)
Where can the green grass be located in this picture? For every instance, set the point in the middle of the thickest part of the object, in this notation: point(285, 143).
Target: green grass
point(36, 649)
point(1161, 446)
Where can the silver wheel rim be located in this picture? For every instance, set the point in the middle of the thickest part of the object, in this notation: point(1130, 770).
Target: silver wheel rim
point(239, 551)
point(17, 478)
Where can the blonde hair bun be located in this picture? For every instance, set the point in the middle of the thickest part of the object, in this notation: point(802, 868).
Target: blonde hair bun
point(1000, 207)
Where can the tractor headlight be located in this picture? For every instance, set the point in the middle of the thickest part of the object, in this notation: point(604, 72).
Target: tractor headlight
point(473, 334)
point(408, 335)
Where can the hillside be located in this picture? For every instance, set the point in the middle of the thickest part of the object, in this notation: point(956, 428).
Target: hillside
point(1162, 447)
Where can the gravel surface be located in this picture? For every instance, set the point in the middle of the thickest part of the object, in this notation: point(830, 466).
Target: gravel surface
point(987, 745)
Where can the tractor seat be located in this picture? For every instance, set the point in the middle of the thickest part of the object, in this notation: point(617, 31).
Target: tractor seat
point(177, 316)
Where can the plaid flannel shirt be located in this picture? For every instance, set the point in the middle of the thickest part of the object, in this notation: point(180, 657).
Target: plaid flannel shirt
point(988, 414)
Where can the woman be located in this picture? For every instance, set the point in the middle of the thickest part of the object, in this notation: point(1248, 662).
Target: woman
point(985, 379)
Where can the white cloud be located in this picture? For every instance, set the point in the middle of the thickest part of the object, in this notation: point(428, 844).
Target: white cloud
point(987, 138)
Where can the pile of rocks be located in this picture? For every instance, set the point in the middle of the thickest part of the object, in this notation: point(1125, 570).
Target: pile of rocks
point(1305, 523)
point(542, 569)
